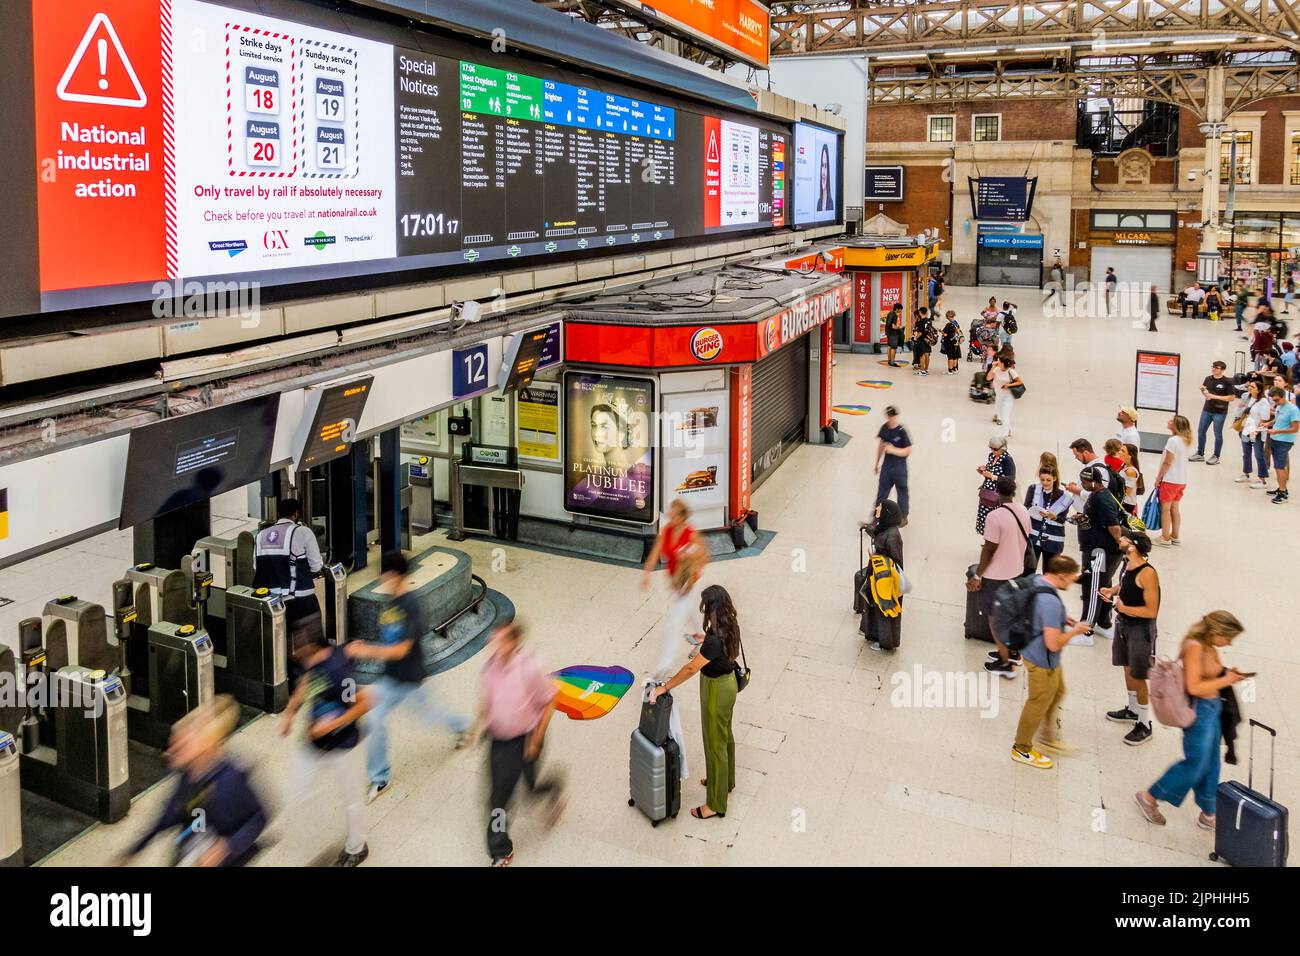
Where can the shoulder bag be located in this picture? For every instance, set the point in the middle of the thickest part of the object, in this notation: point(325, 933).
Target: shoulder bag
point(743, 672)
point(1031, 554)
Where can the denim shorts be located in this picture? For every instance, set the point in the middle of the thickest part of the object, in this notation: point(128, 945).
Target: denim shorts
point(1281, 453)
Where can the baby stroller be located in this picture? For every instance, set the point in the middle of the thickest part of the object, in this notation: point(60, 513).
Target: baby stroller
point(981, 390)
point(974, 348)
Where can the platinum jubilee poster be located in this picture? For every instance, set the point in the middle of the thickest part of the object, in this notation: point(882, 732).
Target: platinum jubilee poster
point(608, 447)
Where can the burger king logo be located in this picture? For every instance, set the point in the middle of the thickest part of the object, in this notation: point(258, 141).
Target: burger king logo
point(706, 344)
point(772, 333)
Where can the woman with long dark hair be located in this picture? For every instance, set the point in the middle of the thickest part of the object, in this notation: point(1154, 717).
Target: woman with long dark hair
point(716, 664)
point(825, 201)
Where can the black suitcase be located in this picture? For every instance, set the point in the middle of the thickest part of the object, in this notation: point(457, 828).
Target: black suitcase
point(977, 625)
point(654, 719)
point(860, 576)
point(1239, 369)
point(1250, 829)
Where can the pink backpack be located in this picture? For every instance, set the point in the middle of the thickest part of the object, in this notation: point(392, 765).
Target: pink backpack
point(1169, 700)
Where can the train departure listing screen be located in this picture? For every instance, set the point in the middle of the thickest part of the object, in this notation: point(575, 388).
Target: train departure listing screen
point(284, 152)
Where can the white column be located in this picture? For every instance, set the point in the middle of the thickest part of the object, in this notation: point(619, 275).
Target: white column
point(1207, 259)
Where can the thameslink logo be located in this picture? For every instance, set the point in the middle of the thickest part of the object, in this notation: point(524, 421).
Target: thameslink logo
point(102, 910)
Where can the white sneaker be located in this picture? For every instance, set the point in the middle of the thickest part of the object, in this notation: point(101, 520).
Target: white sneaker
point(375, 790)
point(1196, 458)
point(1241, 479)
point(1106, 632)
point(1083, 640)
point(1258, 484)
point(1212, 460)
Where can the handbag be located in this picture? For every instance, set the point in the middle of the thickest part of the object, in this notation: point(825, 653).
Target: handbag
point(989, 498)
point(1151, 510)
point(1017, 391)
point(743, 672)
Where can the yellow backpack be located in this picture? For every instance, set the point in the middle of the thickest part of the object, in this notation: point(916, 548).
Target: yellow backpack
point(886, 586)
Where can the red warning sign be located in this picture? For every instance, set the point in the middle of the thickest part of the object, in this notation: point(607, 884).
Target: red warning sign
point(100, 71)
point(100, 142)
point(712, 172)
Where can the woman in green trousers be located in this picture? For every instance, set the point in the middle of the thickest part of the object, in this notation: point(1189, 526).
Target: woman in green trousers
point(716, 664)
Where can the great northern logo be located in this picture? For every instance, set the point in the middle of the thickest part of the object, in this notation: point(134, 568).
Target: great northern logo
point(706, 344)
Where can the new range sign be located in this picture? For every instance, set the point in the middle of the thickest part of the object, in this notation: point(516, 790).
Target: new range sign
point(883, 184)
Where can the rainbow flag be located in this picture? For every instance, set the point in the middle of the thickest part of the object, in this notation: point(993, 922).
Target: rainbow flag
point(588, 691)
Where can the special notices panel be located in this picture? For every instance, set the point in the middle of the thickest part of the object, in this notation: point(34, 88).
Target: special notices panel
point(494, 163)
point(283, 143)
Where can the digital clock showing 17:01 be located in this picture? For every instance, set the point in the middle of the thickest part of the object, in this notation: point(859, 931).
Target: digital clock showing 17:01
point(429, 224)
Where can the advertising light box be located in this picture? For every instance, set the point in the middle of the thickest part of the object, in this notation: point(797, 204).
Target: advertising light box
point(609, 447)
point(818, 175)
point(188, 140)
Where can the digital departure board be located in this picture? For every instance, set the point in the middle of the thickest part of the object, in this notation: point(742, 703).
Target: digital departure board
point(334, 422)
point(282, 152)
point(525, 356)
point(189, 458)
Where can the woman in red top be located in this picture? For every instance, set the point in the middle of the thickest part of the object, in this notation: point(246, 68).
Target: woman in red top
point(674, 535)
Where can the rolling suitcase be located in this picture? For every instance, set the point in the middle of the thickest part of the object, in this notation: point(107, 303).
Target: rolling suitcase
point(977, 625)
point(1250, 829)
point(1239, 369)
point(860, 577)
point(654, 769)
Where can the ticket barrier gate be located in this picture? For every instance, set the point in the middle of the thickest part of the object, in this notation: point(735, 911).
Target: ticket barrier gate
point(230, 561)
point(71, 736)
point(247, 624)
point(150, 594)
point(332, 592)
point(11, 801)
point(169, 653)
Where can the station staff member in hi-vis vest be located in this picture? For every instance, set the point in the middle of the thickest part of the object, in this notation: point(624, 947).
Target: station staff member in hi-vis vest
point(288, 558)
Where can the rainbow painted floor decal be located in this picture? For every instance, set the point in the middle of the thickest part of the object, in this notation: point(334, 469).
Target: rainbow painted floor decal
point(851, 409)
point(588, 691)
point(876, 383)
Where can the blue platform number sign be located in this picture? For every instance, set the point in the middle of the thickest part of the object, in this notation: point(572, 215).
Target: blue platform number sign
point(469, 370)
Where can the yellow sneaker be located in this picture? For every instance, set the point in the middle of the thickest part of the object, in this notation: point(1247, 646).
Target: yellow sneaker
point(1058, 747)
point(1032, 758)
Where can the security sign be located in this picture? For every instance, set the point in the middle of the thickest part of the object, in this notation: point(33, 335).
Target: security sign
point(706, 344)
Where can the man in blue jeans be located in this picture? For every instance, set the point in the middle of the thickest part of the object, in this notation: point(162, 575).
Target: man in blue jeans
point(892, 452)
point(1218, 391)
point(401, 628)
point(1282, 434)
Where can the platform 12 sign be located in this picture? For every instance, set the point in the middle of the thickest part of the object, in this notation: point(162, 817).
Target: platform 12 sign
point(469, 370)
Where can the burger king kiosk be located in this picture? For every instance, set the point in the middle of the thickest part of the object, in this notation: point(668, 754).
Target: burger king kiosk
point(698, 386)
point(884, 270)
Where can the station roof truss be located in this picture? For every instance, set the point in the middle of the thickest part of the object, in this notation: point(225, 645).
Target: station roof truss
point(620, 21)
point(973, 50)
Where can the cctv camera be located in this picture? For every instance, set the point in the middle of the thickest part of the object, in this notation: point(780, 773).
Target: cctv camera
point(1191, 177)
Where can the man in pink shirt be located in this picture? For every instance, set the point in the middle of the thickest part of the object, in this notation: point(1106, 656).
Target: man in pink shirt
point(1006, 536)
point(516, 701)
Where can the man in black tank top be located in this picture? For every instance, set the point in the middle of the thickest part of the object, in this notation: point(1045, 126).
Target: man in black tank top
point(1137, 602)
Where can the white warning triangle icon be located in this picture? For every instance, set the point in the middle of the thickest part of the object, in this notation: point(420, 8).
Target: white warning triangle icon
point(712, 156)
point(87, 78)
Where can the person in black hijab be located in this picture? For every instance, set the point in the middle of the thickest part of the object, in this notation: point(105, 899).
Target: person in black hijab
point(884, 633)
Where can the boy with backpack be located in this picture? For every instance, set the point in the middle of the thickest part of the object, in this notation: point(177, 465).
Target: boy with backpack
point(1042, 628)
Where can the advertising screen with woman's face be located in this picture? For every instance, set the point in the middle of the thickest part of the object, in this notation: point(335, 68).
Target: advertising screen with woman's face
point(818, 183)
point(609, 447)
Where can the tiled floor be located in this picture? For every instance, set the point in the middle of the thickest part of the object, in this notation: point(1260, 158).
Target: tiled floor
point(834, 768)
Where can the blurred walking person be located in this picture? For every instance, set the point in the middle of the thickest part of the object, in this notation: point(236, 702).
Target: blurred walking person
point(334, 703)
point(516, 701)
point(214, 808)
point(400, 647)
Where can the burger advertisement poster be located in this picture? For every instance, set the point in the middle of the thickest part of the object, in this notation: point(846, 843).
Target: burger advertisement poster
point(695, 442)
point(609, 464)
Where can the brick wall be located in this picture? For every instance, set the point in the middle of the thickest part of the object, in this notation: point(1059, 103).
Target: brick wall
point(1272, 152)
point(1037, 120)
point(1186, 244)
